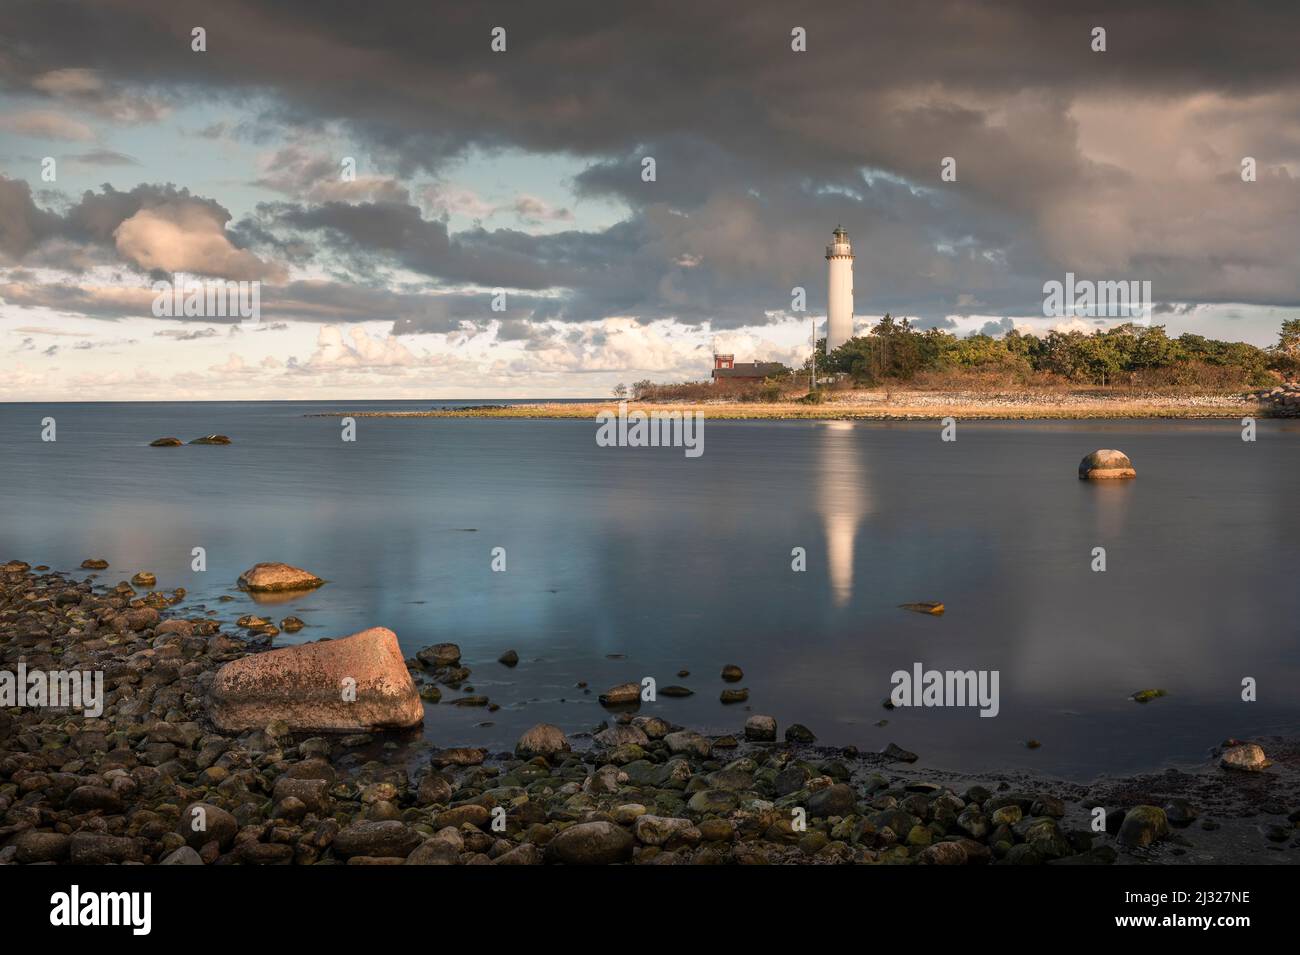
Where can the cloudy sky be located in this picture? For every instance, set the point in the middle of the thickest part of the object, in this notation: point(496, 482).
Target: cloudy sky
point(522, 170)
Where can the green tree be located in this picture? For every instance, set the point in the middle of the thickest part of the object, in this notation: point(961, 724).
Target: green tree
point(1288, 339)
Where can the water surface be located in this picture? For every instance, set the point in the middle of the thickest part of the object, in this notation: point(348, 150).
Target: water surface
point(630, 562)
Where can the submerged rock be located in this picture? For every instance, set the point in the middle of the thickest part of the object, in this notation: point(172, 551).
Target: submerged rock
point(439, 655)
point(925, 606)
point(623, 693)
point(732, 673)
point(509, 658)
point(211, 439)
point(896, 752)
point(94, 563)
point(271, 577)
point(798, 733)
point(354, 684)
point(166, 443)
point(1106, 464)
point(1146, 696)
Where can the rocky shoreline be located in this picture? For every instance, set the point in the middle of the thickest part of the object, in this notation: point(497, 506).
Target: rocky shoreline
point(901, 405)
point(1282, 401)
point(125, 786)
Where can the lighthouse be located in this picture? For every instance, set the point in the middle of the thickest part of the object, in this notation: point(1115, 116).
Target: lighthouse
point(839, 298)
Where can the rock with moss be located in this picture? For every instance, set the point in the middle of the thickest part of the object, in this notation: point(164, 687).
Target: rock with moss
point(1146, 696)
point(1142, 826)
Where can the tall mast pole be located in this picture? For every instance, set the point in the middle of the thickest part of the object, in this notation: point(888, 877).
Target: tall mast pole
point(812, 373)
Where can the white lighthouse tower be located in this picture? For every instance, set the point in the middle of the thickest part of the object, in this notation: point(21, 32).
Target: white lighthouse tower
point(839, 299)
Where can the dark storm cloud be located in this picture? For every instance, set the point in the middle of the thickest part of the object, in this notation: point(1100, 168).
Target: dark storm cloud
point(88, 222)
point(759, 150)
point(730, 262)
point(104, 302)
point(998, 328)
point(599, 79)
point(308, 301)
point(22, 223)
point(944, 324)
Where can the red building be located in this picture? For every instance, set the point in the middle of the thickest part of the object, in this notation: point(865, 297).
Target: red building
point(727, 369)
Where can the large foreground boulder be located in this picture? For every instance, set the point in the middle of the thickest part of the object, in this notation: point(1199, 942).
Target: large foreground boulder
point(1106, 464)
point(350, 685)
point(273, 578)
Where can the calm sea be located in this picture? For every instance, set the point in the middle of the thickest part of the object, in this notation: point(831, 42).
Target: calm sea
point(623, 563)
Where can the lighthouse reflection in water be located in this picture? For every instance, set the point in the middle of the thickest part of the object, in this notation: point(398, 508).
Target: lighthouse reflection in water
point(844, 500)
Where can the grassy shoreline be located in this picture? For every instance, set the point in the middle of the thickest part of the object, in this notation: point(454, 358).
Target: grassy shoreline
point(886, 406)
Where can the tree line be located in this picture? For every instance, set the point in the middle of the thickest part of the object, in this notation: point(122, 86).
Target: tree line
point(1129, 354)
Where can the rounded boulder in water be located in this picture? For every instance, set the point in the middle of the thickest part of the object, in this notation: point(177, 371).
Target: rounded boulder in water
point(271, 577)
point(1106, 464)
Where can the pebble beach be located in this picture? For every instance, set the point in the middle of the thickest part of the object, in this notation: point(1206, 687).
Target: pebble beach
point(126, 785)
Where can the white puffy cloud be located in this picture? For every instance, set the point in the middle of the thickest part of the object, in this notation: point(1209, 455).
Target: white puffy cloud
point(188, 236)
point(358, 349)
